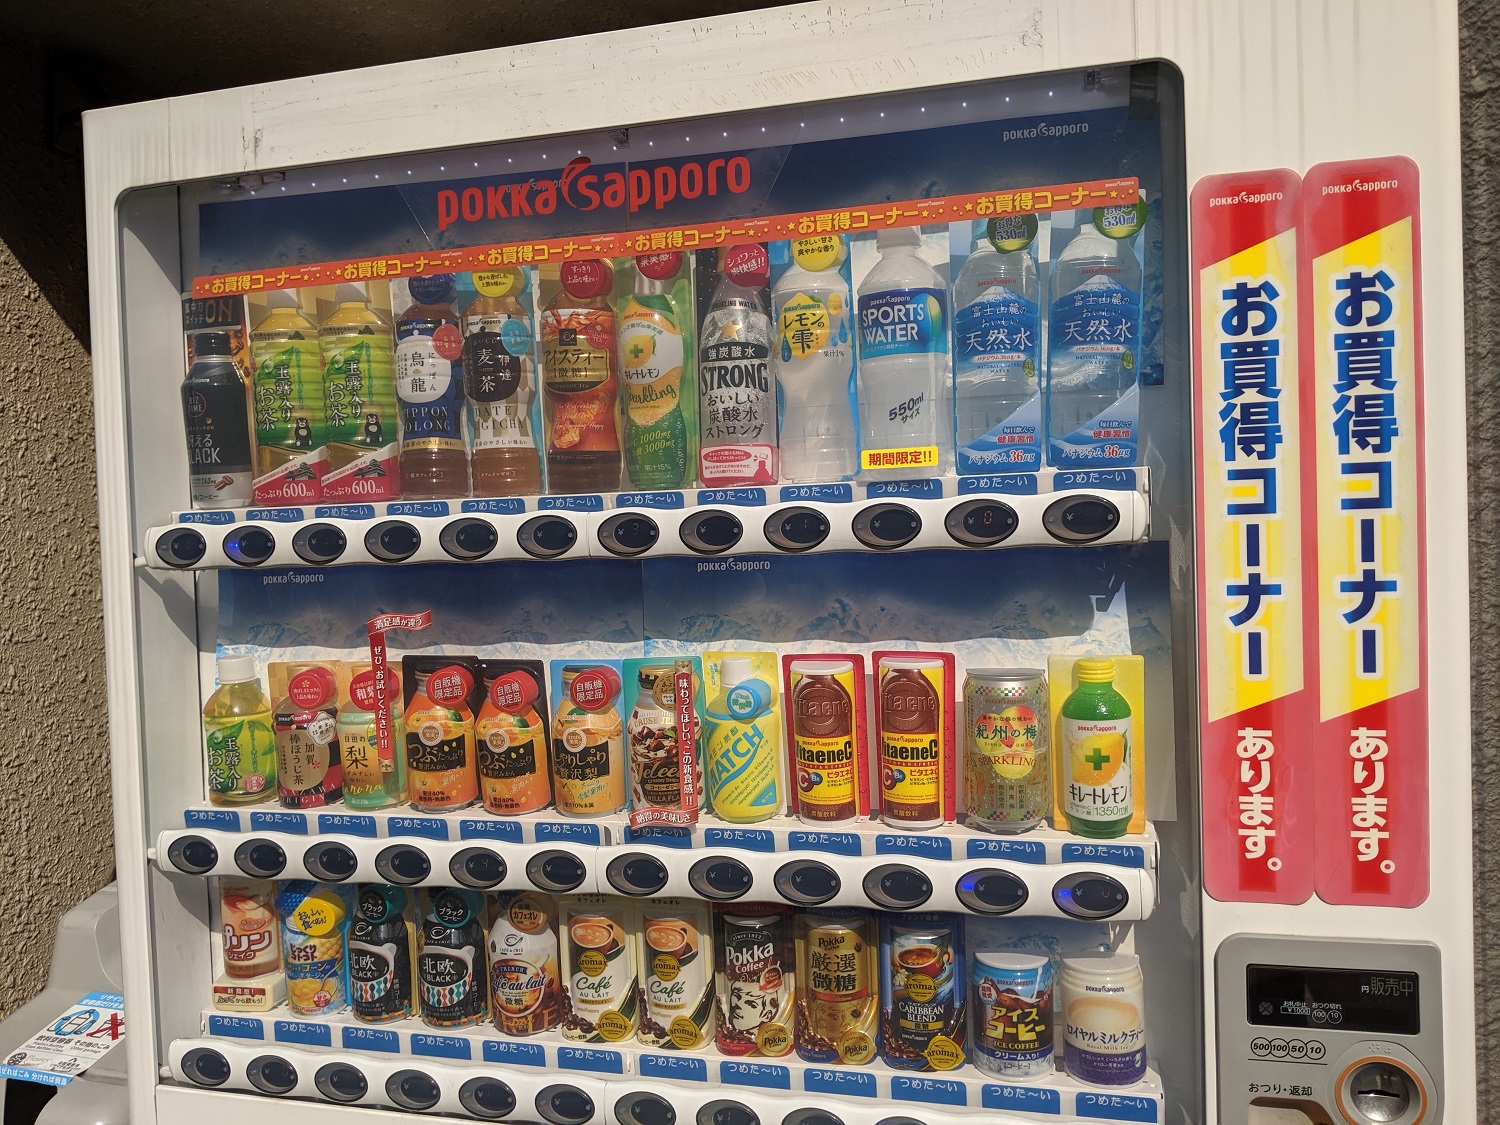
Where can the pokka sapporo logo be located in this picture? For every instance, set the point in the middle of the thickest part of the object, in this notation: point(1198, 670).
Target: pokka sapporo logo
point(581, 187)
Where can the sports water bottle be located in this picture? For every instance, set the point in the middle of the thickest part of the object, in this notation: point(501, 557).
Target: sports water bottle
point(810, 319)
point(903, 361)
point(996, 344)
point(1093, 351)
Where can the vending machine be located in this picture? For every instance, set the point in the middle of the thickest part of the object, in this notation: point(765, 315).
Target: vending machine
point(839, 564)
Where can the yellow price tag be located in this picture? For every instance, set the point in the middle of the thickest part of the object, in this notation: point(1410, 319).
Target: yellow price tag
point(821, 252)
point(320, 913)
point(498, 283)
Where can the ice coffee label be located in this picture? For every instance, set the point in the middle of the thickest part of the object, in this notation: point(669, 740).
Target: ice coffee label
point(218, 440)
point(430, 387)
point(902, 322)
point(1097, 760)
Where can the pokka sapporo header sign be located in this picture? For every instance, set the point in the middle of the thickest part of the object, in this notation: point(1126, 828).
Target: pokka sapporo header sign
point(1122, 192)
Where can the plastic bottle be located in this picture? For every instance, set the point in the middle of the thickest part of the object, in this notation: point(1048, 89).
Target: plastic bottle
point(440, 750)
point(736, 386)
point(216, 413)
point(1093, 338)
point(238, 736)
point(742, 759)
point(810, 313)
point(309, 768)
point(288, 383)
point(651, 364)
point(372, 780)
point(997, 333)
point(430, 388)
point(903, 360)
point(359, 377)
point(580, 380)
point(1097, 736)
point(501, 375)
point(512, 737)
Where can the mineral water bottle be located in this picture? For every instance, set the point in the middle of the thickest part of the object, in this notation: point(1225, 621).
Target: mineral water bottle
point(903, 360)
point(736, 386)
point(996, 336)
point(810, 319)
point(1093, 340)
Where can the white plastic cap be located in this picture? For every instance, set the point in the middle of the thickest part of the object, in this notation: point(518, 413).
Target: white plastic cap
point(282, 299)
point(351, 293)
point(736, 670)
point(898, 236)
point(236, 669)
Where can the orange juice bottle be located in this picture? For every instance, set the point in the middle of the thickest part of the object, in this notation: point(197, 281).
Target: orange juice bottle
point(439, 724)
point(512, 738)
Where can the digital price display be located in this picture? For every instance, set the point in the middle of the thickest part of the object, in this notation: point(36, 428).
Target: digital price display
point(1370, 1001)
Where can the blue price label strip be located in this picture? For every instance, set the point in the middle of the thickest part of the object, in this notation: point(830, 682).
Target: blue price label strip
point(491, 828)
point(494, 506)
point(440, 1046)
point(826, 493)
point(673, 1066)
point(570, 504)
point(1008, 484)
point(349, 824)
point(521, 1054)
point(345, 512)
point(371, 1039)
point(650, 500)
point(1115, 855)
point(834, 1081)
point(664, 836)
point(591, 1058)
point(930, 489)
point(1020, 1099)
point(748, 497)
point(935, 1091)
point(293, 822)
point(764, 1075)
point(237, 1027)
point(427, 827)
point(931, 847)
point(1114, 1107)
point(275, 515)
point(559, 830)
point(417, 508)
point(746, 839)
point(225, 820)
point(307, 1034)
point(1019, 851)
point(205, 517)
point(1115, 480)
point(839, 843)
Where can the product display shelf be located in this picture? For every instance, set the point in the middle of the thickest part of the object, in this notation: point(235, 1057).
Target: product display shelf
point(1056, 508)
point(1054, 1095)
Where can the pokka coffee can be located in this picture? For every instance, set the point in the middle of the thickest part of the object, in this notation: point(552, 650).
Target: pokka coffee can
point(1104, 1019)
point(838, 986)
point(1007, 749)
point(756, 981)
point(382, 948)
point(677, 974)
point(1010, 996)
point(452, 988)
point(600, 977)
point(525, 975)
point(923, 991)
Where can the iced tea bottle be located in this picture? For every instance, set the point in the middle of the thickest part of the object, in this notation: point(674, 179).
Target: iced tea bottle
point(580, 377)
point(430, 390)
point(501, 375)
point(359, 378)
point(238, 735)
point(288, 383)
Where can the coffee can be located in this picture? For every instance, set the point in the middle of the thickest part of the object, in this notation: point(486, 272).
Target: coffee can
point(678, 977)
point(838, 986)
point(599, 970)
point(923, 990)
point(1007, 749)
point(756, 983)
point(1010, 996)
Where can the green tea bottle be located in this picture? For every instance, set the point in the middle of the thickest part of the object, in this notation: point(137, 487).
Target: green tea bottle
point(288, 383)
point(237, 734)
point(651, 364)
point(1096, 743)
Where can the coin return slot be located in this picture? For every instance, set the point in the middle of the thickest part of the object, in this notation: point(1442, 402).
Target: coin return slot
point(896, 886)
point(468, 539)
point(260, 859)
point(340, 1082)
point(403, 865)
point(557, 872)
point(806, 882)
point(181, 547)
point(1383, 1092)
point(392, 541)
point(193, 854)
point(720, 878)
point(478, 868)
point(546, 537)
point(332, 863)
point(636, 874)
point(487, 1098)
point(411, 1089)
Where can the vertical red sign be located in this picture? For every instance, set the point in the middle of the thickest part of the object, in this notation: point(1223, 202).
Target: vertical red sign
point(1255, 701)
point(1362, 344)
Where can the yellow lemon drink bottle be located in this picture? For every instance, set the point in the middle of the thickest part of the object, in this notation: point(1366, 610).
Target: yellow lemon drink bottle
point(1099, 796)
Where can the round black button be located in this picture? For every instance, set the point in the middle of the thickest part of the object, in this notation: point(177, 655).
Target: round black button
point(806, 882)
point(555, 871)
point(340, 1082)
point(181, 547)
point(719, 878)
point(645, 1109)
point(479, 868)
point(546, 537)
point(249, 546)
point(727, 1113)
point(628, 533)
point(205, 1067)
point(193, 854)
point(330, 862)
point(393, 541)
point(981, 523)
point(990, 890)
point(811, 1117)
point(260, 859)
point(797, 529)
point(487, 1098)
point(886, 526)
point(1090, 894)
point(564, 1105)
point(899, 1121)
point(468, 539)
point(319, 543)
point(403, 865)
point(1080, 519)
point(271, 1074)
point(411, 1089)
point(636, 873)
point(711, 532)
point(895, 886)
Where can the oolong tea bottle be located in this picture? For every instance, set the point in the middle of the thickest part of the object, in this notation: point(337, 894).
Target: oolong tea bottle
point(1097, 733)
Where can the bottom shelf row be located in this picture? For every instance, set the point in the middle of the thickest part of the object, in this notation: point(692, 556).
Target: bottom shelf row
point(543, 1097)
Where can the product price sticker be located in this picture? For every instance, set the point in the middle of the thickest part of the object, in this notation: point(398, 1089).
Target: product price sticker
point(70, 1044)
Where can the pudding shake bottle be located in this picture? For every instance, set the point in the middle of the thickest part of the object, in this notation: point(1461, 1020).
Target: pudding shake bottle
point(580, 381)
point(430, 388)
point(501, 375)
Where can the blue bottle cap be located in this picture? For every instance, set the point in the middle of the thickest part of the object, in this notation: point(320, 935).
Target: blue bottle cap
point(432, 288)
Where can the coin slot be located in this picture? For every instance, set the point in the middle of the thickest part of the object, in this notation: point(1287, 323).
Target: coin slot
point(628, 534)
point(249, 546)
point(403, 865)
point(992, 891)
point(727, 1113)
point(811, 1117)
point(806, 882)
point(411, 1089)
point(487, 1098)
point(479, 868)
point(193, 854)
point(393, 541)
point(260, 859)
point(468, 539)
point(645, 1109)
point(981, 523)
point(884, 527)
point(205, 1067)
point(636, 873)
point(895, 886)
point(340, 1082)
point(711, 532)
point(319, 543)
point(1382, 1091)
point(797, 529)
point(181, 547)
point(565, 1105)
point(546, 537)
point(1090, 894)
point(720, 878)
point(555, 871)
point(330, 862)
point(1080, 519)
point(271, 1074)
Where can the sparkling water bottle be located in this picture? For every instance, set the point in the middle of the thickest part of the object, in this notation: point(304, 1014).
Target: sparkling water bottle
point(810, 316)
